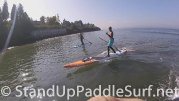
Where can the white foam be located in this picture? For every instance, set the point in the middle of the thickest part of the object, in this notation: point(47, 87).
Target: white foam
point(10, 48)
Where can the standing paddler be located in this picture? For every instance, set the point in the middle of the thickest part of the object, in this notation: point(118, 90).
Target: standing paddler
point(111, 41)
point(81, 38)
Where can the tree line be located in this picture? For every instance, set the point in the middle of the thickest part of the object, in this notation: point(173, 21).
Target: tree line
point(71, 27)
point(25, 25)
point(22, 29)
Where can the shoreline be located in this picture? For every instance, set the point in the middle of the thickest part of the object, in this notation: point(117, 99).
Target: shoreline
point(40, 39)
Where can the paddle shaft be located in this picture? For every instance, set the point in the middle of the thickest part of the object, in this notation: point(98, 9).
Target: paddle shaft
point(88, 41)
point(107, 42)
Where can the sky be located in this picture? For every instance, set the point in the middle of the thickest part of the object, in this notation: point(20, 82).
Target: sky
point(104, 13)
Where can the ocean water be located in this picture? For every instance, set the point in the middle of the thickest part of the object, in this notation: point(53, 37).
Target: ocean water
point(152, 59)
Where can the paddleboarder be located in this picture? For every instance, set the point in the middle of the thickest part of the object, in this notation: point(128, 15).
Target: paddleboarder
point(111, 41)
point(81, 38)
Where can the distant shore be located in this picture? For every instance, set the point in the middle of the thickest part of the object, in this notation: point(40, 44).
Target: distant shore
point(35, 39)
point(56, 33)
point(20, 29)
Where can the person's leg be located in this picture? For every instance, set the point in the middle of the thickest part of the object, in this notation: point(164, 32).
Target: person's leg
point(82, 42)
point(110, 45)
point(108, 51)
point(113, 50)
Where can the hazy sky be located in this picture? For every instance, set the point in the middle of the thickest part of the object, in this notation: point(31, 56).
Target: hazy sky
point(103, 13)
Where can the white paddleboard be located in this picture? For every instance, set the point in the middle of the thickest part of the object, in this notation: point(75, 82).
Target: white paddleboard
point(104, 58)
point(112, 54)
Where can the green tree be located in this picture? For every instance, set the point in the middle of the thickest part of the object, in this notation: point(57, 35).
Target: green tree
point(23, 27)
point(20, 11)
point(79, 25)
point(23, 20)
point(3, 31)
point(5, 13)
point(13, 11)
point(0, 23)
point(52, 20)
point(66, 24)
point(1, 17)
point(42, 19)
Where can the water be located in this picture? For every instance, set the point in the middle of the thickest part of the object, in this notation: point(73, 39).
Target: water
point(151, 60)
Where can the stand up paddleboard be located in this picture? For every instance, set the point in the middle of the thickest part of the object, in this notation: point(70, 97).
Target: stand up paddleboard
point(92, 60)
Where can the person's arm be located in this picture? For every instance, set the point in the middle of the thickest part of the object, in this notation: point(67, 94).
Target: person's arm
point(108, 35)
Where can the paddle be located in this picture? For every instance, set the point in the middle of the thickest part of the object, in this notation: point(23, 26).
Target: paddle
point(88, 41)
point(107, 42)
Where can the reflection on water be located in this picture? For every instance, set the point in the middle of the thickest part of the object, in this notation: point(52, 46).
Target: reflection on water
point(151, 60)
point(16, 67)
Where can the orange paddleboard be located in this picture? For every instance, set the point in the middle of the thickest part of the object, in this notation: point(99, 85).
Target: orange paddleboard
point(92, 60)
point(79, 63)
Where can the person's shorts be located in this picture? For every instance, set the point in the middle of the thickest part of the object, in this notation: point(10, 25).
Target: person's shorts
point(110, 43)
